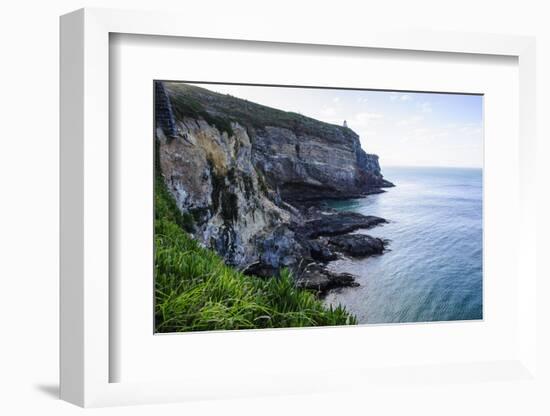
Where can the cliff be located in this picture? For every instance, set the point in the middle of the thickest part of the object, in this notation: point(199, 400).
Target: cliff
point(301, 157)
point(244, 170)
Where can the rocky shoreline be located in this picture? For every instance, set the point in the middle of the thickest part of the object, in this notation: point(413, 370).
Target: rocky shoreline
point(328, 238)
point(325, 235)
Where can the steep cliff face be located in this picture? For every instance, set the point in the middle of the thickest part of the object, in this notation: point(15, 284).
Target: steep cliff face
point(239, 168)
point(300, 157)
point(211, 176)
point(316, 165)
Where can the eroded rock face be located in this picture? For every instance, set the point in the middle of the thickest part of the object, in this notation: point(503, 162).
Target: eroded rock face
point(304, 166)
point(211, 176)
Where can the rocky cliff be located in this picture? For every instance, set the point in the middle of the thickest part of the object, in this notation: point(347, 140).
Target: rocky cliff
point(244, 172)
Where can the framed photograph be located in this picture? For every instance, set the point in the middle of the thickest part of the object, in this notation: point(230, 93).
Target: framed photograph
point(237, 211)
point(271, 218)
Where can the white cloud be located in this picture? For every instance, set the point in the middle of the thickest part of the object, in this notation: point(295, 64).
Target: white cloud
point(400, 97)
point(363, 119)
point(410, 121)
point(366, 116)
point(428, 134)
point(420, 131)
point(328, 111)
point(336, 100)
point(426, 107)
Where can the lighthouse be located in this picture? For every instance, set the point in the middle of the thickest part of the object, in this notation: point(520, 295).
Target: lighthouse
point(345, 123)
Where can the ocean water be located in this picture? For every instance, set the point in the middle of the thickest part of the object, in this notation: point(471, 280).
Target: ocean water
point(433, 268)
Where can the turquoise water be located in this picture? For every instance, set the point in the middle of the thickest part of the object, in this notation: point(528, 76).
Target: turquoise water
point(433, 268)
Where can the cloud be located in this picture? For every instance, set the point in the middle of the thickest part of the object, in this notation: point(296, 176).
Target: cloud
point(328, 111)
point(366, 116)
point(336, 100)
point(363, 119)
point(401, 97)
point(426, 107)
point(429, 134)
point(410, 121)
point(421, 131)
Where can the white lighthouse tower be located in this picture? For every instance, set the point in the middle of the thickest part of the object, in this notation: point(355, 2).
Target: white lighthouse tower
point(345, 123)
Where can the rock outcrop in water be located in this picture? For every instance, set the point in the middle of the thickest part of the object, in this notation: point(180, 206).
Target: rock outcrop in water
point(338, 223)
point(244, 172)
point(358, 245)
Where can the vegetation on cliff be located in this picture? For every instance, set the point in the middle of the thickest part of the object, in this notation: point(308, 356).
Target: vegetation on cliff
point(196, 291)
point(221, 109)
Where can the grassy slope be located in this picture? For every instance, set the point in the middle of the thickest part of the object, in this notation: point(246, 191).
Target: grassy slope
point(196, 291)
point(220, 109)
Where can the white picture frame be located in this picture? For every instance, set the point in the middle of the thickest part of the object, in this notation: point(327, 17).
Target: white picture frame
point(85, 265)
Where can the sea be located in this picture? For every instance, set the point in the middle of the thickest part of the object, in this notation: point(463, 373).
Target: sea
point(433, 267)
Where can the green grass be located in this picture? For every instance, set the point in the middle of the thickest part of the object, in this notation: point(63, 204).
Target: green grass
point(196, 291)
point(166, 208)
point(220, 109)
point(189, 107)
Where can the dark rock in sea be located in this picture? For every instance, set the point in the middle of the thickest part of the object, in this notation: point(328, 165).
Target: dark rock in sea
point(339, 223)
point(386, 184)
point(358, 245)
point(320, 251)
point(317, 277)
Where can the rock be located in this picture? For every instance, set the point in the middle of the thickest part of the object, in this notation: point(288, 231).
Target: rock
point(338, 223)
point(320, 251)
point(317, 277)
point(358, 245)
point(280, 248)
point(220, 188)
point(259, 269)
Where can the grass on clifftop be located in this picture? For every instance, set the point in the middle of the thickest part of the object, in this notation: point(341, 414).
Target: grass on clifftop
point(220, 110)
point(196, 291)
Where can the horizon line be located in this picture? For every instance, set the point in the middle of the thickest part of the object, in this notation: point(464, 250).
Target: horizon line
point(430, 166)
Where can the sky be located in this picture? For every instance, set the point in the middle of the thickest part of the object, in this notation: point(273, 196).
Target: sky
point(402, 128)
